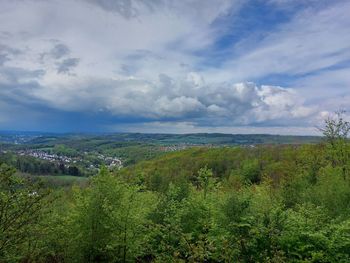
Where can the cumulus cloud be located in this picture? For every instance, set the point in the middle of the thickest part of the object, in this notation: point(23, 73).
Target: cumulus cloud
point(147, 59)
point(189, 98)
point(189, 127)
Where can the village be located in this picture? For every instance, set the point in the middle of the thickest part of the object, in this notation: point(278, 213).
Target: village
point(110, 162)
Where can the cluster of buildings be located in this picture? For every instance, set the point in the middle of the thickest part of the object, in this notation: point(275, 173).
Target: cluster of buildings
point(111, 162)
point(46, 156)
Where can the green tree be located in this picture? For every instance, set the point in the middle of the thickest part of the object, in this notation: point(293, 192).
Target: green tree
point(336, 132)
point(108, 220)
point(205, 177)
point(22, 207)
point(251, 170)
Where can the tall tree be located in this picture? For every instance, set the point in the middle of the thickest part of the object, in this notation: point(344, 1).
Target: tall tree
point(22, 206)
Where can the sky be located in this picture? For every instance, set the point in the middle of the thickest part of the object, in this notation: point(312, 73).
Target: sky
point(169, 66)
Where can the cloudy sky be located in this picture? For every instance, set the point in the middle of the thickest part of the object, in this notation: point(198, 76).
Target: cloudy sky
point(233, 66)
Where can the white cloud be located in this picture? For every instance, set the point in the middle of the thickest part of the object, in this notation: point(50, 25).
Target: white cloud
point(141, 59)
point(188, 127)
point(314, 39)
point(187, 98)
point(324, 85)
point(149, 37)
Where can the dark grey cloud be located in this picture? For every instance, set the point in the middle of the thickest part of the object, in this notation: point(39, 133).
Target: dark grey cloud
point(127, 69)
point(17, 75)
point(124, 7)
point(3, 59)
point(59, 51)
point(19, 107)
point(65, 66)
point(6, 52)
point(5, 34)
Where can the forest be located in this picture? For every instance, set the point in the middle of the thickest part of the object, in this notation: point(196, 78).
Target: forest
point(268, 203)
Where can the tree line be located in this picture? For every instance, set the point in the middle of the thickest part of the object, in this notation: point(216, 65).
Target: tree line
point(265, 204)
point(34, 166)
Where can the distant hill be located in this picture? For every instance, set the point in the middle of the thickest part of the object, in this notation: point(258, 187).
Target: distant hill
point(158, 139)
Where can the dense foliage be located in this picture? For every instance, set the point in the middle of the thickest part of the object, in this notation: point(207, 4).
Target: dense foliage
point(262, 204)
point(31, 165)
